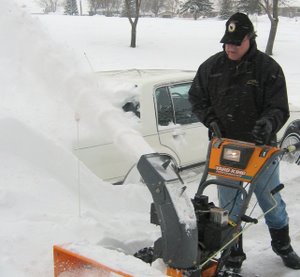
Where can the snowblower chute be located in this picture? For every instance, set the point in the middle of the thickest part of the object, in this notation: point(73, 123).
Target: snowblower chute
point(178, 246)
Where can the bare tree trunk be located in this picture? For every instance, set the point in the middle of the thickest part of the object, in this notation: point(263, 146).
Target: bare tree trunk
point(272, 35)
point(272, 12)
point(133, 35)
point(133, 22)
point(80, 7)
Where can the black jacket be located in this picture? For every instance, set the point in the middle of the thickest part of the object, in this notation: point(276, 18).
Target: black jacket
point(236, 95)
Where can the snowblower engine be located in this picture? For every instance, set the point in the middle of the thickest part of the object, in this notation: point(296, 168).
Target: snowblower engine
point(214, 227)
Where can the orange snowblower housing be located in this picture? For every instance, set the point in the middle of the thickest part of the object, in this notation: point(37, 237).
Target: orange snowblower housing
point(237, 160)
point(74, 264)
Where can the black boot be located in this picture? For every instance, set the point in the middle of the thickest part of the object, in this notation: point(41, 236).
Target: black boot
point(281, 245)
point(237, 256)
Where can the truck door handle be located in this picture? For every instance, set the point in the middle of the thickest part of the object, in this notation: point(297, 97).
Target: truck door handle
point(177, 133)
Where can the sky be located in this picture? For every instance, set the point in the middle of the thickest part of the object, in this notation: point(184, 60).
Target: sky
point(47, 66)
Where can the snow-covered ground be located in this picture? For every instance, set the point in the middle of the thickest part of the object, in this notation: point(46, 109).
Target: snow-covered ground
point(47, 83)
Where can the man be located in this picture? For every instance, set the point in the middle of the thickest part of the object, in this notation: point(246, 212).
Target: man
point(243, 90)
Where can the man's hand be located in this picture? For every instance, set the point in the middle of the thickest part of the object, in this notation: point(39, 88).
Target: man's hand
point(262, 131)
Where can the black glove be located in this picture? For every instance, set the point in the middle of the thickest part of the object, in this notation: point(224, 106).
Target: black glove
point(262, 131)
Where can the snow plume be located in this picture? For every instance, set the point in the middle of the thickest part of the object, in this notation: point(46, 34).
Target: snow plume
point(60, 78)
point(32, 75)
point(110, 118)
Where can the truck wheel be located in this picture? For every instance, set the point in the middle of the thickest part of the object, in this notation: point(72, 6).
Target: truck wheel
point(291, 136)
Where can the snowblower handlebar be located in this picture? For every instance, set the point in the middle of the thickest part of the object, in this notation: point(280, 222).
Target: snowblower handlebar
point(216, 129)
point(277, 189)
point(294, 147)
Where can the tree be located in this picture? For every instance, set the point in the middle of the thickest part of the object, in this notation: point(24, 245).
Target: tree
point(271, 8)
point(107, 7)
point(249, 6)
point(132, 8)
point(156, 6)
point(94, 6)
point(80, 7)
point(146, 6)
point(71, 7)
point(48, 5)
point(172, 5)
point(112, 7)
point(226, 9)
point(197, 7)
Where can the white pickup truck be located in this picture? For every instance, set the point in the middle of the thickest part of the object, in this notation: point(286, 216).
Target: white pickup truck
point(165, 120)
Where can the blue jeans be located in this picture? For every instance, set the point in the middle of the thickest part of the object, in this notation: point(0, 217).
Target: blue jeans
point(231, 199)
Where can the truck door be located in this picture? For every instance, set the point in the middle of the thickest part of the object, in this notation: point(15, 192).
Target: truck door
point(178, 128)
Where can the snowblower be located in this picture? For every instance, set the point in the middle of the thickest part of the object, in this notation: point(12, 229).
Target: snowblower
point(196, 235)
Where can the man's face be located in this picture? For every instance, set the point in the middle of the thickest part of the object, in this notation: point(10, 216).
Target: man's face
point(235, 52)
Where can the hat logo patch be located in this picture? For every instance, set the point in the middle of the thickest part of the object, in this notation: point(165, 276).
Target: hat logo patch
point(231, 27)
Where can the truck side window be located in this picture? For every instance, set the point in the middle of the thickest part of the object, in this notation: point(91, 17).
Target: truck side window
point(182, 105)
point(164, 106)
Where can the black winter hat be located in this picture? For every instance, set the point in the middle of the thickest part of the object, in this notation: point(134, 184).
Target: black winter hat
point(237, 27)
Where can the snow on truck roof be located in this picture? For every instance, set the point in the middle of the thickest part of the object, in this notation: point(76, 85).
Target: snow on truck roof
point(125, 84)
point(145, 75)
